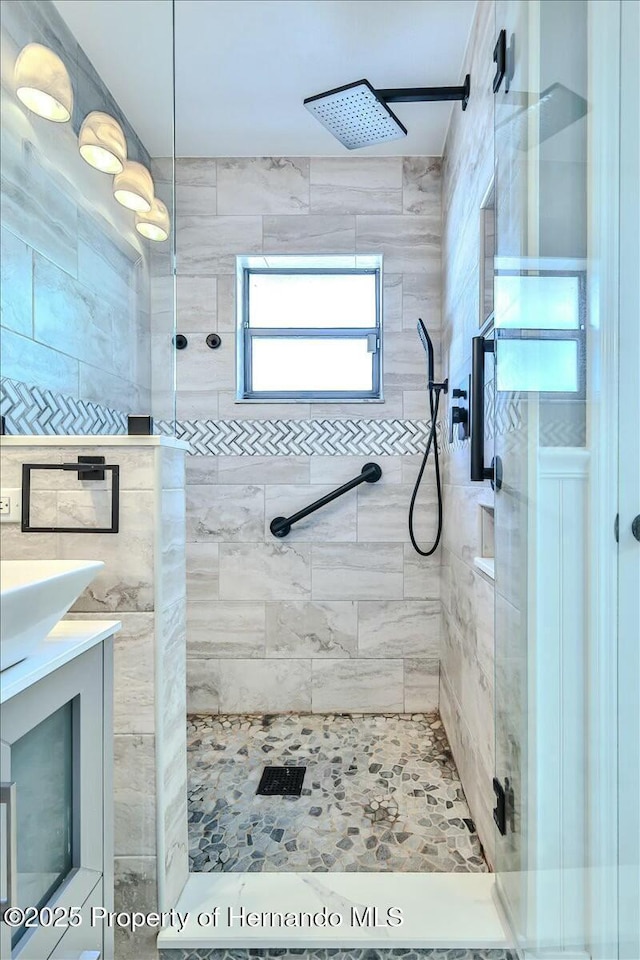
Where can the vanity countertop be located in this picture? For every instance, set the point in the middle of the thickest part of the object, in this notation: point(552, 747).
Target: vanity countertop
point(67, 640)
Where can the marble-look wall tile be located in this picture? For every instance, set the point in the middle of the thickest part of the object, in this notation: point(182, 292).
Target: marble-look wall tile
point(203, 574)
point(199, 368)
point(265, 185)
point(358, 571)
point(407, 243)
point(264, 470)
point(209, 245)
point(356, 185)
point(312, 234)
point(222, 629)
point(265, 686)
point(197, 303)
point(126, 583)
point(23, 358)
point(422, 298)
point(16, 300)
point(201, 469)
point(203, 686)
point(195, 187)
point(357, 685)
point(422, 575)
point(305, 629)
point(170, 578)
point(229, 409)
point(421, 185)
point(225, 512)
point(383, 513)
point(399, 628)
point(226, 303)
point(336, 522)
point(421, 685)
point(134, 794)
point(265, 571)
point(339, 469)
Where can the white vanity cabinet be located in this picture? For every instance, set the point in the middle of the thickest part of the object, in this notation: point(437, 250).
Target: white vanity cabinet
point(56, 818)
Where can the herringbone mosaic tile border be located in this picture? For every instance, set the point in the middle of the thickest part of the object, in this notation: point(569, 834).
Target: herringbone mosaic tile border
point(31, 410)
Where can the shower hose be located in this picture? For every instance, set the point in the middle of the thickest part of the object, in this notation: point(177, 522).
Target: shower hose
point(432, 441)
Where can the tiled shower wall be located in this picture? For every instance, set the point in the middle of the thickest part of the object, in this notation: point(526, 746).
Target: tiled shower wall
point(466, 682)
point(75, 274)
point(342, 615)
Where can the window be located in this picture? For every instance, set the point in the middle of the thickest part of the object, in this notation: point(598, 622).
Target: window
point(309, 328)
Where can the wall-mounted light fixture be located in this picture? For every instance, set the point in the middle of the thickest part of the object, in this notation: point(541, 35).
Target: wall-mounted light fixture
point(154, 225)
point(43, 84)
point(102, 142)
point(133, 187)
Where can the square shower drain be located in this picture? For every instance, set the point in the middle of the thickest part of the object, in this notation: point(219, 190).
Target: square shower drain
point(281, 781)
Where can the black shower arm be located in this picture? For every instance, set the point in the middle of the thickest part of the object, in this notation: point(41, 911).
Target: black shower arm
point(427, 94)
point(281, 526)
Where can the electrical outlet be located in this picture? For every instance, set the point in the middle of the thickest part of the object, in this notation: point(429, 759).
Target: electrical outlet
point(11, 506)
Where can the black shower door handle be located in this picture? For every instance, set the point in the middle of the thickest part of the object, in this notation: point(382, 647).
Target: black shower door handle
point(480, 347)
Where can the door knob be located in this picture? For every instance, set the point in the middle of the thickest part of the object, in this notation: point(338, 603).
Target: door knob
point(635, 527)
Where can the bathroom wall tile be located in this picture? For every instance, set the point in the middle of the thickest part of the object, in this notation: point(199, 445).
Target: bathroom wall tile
point(422, 297)
point(357, 571)
point(199, 368)
point(404, 361)
point(421, 575)
point(203, 574)
point(201, 469)
point(226, 303)
point(312, 234)
point(336, 522)
point(421, 185)
point(356, 185)
point(16, 284)
point(172, 468)
point(265, 686)
point(421, 685)
point(100, 386)
point(203, 686)
point(197, 303)
point(264, 470)
point(399, 628)
point(383, 513)
point(463, 537)
point(221, 629)
point(170, 578)
point(266, 185)
point(391, 304)
point(225, 512)
point(134, 794)
point(415, 404)
point(135, 891)
point(265, 571)
point(305, 629)
point(31, 362)
point(230, 410)
point(209, 245)
point(195, 187)
point(357, 685)
point(337, 470)
point(407, 243)
point(389, 409)
point(126, 583)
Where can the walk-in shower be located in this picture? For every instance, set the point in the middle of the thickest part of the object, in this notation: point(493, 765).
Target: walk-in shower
point(435, 389)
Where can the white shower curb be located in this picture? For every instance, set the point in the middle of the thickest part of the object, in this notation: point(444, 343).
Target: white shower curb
point(440, 910)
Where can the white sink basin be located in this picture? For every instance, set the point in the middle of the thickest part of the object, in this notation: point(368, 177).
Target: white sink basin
point(34, 596)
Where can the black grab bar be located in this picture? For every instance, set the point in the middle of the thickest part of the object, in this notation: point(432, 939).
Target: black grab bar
point(281, 526)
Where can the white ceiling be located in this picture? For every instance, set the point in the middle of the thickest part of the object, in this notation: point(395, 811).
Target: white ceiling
point(243, 68)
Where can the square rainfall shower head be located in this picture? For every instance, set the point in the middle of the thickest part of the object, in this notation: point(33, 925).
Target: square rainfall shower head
point(356, 115)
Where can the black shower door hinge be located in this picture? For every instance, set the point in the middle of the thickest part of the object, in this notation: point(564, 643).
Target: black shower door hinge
point(500, 59)
point(500, 809)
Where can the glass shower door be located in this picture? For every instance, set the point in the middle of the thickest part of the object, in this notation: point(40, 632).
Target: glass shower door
point(541, 466)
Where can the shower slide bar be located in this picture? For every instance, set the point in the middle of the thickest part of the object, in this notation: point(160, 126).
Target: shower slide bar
point(281, 526)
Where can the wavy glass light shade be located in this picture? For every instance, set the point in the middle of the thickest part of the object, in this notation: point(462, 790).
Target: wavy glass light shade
point(155, 224)
point(133, 187)
point(43, 84)
point(102, 142)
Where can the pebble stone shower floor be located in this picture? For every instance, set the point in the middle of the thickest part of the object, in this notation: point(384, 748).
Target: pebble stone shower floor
point(381, 793)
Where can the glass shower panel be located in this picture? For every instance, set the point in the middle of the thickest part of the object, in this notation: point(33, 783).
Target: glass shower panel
point(85, 287)
point(539, 447)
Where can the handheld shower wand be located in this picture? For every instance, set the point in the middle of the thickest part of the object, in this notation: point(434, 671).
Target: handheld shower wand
point(435, 389)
